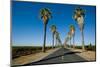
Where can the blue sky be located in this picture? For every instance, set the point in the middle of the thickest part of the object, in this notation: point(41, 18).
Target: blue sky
point(27, 27)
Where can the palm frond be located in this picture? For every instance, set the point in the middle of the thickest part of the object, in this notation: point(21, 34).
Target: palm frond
point(72, 27)
point(45, 12)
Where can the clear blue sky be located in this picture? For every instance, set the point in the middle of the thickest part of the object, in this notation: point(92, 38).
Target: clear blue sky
point(27, 27)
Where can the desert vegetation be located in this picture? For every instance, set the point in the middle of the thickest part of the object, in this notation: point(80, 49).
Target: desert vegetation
point(18, 51)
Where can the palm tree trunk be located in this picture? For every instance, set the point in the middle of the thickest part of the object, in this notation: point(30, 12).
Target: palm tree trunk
point(73, 41)
point(43, 49)
point(56, 42)
point(83, 47)
point(53, 40)
point(70, 43)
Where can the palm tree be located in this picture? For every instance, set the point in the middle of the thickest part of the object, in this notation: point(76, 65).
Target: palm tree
point(72, 29)
point(45, 16)
point(53, 30)
point(78, 16)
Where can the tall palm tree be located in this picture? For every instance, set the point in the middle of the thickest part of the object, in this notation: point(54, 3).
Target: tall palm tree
point(53, 30)
point(78, 16)
point(45, 16)
point(72, 29)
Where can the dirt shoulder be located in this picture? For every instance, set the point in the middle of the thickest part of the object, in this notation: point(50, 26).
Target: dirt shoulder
point(88, 55)
point(32, 57)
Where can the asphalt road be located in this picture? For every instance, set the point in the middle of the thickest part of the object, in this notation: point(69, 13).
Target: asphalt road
point(61, 56)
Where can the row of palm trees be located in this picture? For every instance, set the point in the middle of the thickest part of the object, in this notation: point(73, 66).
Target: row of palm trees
point(55, 36)
point(70, 35)
point(78, 16)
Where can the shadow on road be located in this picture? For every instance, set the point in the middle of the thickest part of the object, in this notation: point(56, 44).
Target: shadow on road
point(68, 53)
point(58, 56)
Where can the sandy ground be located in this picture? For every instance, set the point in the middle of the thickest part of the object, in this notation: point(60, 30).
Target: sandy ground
point(33, 57)
point(88, 55)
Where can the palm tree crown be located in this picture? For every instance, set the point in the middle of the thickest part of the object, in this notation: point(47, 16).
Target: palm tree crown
point(78, 16)
point(45, 15)
point(53, 28)
point(72, 29)
point(78, 13)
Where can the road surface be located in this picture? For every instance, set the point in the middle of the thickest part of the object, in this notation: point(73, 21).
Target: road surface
point(60, 56)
